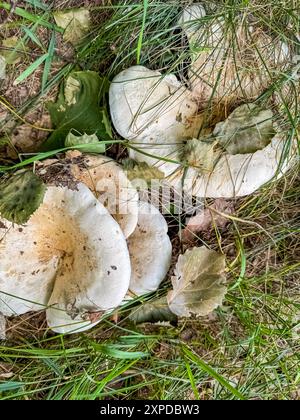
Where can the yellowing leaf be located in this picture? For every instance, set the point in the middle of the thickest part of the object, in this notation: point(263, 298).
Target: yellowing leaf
point(76, 24)
point(247, 129)
point(141, 170)
point(198, 283)
point(202, 155)
point(12, 49)
point(71, 89)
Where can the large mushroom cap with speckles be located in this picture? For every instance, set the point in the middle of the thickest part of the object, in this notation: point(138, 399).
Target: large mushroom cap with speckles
point(150, 250)
point(154, 112)
point(71, 257)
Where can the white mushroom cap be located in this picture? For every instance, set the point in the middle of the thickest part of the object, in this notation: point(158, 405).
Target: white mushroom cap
point(236, 175)
point(27, 273)
point(228, 73)
point(109, 183)
point(150, 250)
point(71, 256)
point(190, 20)
point(156, 112)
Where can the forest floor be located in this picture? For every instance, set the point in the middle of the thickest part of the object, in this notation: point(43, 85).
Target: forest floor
point(248, 348)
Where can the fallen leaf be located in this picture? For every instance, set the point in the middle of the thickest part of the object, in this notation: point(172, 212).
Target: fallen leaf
point(207, 219)
point(77, 109)
point(76, 24)
point(13, 49)
point(20, 196)
point(247, 129)
point(141, 170)
point(198, 283)
point(155, 311)
point(93, 145)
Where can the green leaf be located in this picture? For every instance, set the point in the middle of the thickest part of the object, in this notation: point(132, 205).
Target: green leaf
point(38, 4)
point(247, 129)
point(141, 170)
point(155, 311)
point(77, 109)
point(198, 283)
point(92, 142)
point(20, 196)
point(76, 24)
point(12, 54)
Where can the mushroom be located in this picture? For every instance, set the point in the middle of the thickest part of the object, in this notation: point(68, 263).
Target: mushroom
point(229, 66)
point(237, 175)
point(155, 113)
point(251, 156)
point(150, 250)
point(71, 257)
point(158, 115)
point(108, 182)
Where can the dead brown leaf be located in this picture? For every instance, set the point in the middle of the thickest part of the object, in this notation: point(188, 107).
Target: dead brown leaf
point(207, 219)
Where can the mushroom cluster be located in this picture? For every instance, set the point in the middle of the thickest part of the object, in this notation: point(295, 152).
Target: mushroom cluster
point(166, 122)
point(72, 258)
point(93, 239)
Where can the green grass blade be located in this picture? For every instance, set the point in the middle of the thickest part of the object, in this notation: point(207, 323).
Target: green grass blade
point(48, 62)
point(34, 38)
point(113, 351)
point(140, 40)
point(192, 380)
point(29, 16)
point(211, 372)
point(11, 385)
point(30, 69)
point(38, 4)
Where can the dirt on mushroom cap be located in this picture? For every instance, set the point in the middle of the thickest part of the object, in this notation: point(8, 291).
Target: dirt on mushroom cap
point(103, 176)
point(71, 256)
